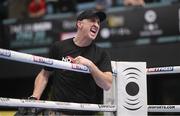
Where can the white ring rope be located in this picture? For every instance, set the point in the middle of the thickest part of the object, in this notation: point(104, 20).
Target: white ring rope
point(163, 70)
point(9, 102)
point(163, 108)
point(28, 58)
point(55, 105)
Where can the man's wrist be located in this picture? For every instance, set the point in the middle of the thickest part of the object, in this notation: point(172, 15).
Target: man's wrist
point(89, 65)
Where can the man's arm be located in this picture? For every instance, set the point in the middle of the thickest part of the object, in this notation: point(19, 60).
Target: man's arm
point(40, 83)
point(102, 79)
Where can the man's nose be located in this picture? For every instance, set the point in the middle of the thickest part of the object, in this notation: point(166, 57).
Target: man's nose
point(96, 24)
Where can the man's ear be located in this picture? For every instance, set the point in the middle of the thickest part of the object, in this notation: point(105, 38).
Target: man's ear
point(79, 24)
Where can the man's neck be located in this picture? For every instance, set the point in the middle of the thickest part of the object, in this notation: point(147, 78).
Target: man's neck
point(81, 42)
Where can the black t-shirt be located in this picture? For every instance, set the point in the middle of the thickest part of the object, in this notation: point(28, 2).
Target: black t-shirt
point(70, 86)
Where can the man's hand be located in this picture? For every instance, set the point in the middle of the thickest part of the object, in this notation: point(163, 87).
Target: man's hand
point(28, 111)
point(83, 61)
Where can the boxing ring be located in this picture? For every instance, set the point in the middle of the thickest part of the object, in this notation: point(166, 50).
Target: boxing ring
point(107, 107)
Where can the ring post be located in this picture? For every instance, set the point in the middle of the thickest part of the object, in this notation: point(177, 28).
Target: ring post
point(131, 89)
point(109, 96)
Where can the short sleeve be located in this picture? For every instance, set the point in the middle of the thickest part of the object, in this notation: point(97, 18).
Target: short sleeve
point(53, 54)
point(105, 62)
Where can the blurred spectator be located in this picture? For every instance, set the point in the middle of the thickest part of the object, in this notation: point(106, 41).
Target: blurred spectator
point(103, 4)
point(52, 6)
point(3, 9)
point(37, 8)
point(67, 6)
point(3, 15)
point(133, 2)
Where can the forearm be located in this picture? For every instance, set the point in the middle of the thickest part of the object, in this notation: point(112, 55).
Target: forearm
point(40, 83)
point(102, 79)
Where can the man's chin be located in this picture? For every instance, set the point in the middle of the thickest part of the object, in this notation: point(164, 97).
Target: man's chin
point(93, 37)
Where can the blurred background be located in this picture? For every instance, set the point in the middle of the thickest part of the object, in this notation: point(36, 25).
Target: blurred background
point(135, 30)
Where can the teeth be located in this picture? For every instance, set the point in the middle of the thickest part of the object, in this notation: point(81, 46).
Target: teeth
point(93, 30)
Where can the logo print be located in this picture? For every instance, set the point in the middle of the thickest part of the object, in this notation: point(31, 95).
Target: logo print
point(150, 16)
point(131, 101)
point(42, 60)
point(161, 69)
point(79, 67)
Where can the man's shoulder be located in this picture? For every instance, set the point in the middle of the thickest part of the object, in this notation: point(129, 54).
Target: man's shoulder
point(99, 48)
point(63, 41)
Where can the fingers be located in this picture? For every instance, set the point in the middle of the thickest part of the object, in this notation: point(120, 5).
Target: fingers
point(77, 59)
point(83, 61)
